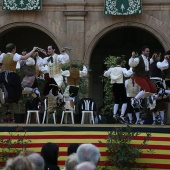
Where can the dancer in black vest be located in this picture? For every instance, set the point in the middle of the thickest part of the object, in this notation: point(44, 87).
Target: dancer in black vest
point(141, 72)
point(157, 77)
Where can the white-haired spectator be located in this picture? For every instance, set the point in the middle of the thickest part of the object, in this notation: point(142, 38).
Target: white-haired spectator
point(71, 162)
point(37, 160)
point(88, 153)
point(86, 166)
point(19, 163)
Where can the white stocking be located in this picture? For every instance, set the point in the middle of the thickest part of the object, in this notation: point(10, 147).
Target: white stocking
point(167, 91)
point(130, 117)
point(115, 108)
point(123, 109)
point(154, 115)
point(162, 115)
point(140, 95)
point(137, 115)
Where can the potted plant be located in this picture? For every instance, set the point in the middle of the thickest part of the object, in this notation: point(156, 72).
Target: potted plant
point(121, 153)
point(13, 144)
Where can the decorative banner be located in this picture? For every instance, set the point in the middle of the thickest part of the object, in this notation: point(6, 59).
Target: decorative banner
point(123, 7)
point(159, 143)
point(21, 5)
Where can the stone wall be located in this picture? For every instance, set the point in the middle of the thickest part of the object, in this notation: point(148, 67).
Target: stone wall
point(80, 24)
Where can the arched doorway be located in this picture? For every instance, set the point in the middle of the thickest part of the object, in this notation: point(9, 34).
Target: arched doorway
point(25, 37)
point(120, 41)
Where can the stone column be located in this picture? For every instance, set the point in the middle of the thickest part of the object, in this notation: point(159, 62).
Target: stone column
point(75, 16)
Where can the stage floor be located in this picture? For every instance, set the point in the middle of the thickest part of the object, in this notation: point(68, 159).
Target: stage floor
point(64, 134)
point(84, 127)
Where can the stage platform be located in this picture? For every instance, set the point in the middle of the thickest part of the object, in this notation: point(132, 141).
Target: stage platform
point(65, 134)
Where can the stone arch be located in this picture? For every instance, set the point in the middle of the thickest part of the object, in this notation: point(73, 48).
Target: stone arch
point(31, 25)
point(145, 27)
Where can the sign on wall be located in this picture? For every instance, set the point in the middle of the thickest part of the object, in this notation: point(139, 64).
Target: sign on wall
point(123, 7)
point(22, 5)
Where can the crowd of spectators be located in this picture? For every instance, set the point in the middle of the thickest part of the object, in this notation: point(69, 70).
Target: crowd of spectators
point(80, 157)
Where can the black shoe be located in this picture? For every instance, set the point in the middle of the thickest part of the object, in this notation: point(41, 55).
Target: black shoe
point(122, 120)
point(158, 119)
point(134, 102)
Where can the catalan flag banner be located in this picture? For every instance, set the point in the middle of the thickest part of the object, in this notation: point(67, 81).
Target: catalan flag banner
point(21, 5)
point(159, 143)
point(123, 7)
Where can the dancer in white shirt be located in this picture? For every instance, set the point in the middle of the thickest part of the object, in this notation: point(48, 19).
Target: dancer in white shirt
point(55, 85)
point(116, 74)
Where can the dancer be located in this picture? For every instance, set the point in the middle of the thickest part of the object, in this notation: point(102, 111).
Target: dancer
point(141, 76)
point(54, 63)
point(31, 69)
point(116, 74)
point(55, 85)
point(132, 88)
point(167, 70)
point(157, 77)
point(73, 77)
point(9, 76)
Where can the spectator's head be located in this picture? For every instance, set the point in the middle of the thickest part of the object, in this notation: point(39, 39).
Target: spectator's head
point(37, 160)
point(86, 166)
point(19, 163)
point(72, 148)
point(88, 153)
point(50, 153)
point(71, 162)
point(10, 48)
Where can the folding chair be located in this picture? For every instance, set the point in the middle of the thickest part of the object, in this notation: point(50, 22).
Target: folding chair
point(66, 112)
point(46, 114)
point(87, 106)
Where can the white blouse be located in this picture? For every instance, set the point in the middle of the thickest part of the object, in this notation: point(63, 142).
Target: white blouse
point(133, 62)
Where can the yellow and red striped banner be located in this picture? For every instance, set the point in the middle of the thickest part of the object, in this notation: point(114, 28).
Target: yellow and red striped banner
point(159, 142)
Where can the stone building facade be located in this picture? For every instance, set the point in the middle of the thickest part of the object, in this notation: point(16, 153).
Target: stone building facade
point(82, 25)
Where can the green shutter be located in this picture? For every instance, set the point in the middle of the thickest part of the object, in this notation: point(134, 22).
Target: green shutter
point(123, 7)
point(22, 5)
